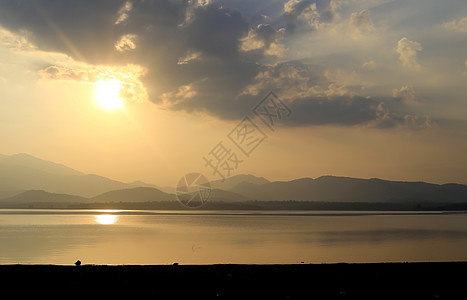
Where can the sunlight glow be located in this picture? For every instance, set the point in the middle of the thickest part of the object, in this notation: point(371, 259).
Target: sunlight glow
point(106, 219)
point(107, 94)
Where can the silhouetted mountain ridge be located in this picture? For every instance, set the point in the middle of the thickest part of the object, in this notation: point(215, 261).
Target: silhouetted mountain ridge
point(231, 182)
point(34, 196)
point(29, 161)
point(23, 172)
point(20, 173)
point(347, 189)
point(139, 194)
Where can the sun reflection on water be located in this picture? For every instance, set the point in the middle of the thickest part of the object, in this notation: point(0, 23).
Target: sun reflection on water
point(106, 219)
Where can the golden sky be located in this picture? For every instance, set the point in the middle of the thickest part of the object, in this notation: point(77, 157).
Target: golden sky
point(137, 90)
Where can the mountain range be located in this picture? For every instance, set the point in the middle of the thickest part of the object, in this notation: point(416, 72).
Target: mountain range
point(23, 172)
point(27, 179)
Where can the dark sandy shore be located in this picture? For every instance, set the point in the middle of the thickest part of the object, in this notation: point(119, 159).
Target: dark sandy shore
point(303, 281)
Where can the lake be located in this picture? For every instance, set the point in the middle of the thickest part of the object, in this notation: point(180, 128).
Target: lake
point(213, 237)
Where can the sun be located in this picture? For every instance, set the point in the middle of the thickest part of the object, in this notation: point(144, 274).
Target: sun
point(107, 94)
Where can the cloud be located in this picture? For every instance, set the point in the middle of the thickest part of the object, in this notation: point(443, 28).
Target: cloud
point(369, 65)
point(190, 56)
point(199, 56)
point(126, 43)
point(264, 38)
point(128, 76)
point(289, 80)
point(318, 98)
point(299, 12)
point(191, 10)
point(407, 51)
point(174, 98)
point(353, 111)
point(216, 32)
point(405, 94)
point(75, 74)
point(361, 22)
point(323, 17)
point(15, 41)
point(331, 13)
point(123, 12)
point(457, 25)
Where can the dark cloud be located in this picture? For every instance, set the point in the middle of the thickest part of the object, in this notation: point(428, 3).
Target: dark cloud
point(308, 15)
point(216, 32)
point(266, 33)
point(313, 98)
point(83, 29)
point(342, 110)
point(351, 111)
point(263, 41)
point(194, 59)
point(300, 13)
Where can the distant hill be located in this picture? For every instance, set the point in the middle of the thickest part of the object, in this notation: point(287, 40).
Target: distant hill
point(42, 196)
point(227, 184)
point(233, 181)
point(23, 172)
point(139, 183)
point(147, 194)
point(140, 194)
point(227, 196)
point(21, 178)
point(31, 162)
point(32, 178)
point(324, 193)
point(345, 189)
point(7, 190)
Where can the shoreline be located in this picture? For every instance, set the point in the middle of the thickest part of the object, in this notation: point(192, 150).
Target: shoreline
point(247, 205)
point(233, 212)
point(384, 280)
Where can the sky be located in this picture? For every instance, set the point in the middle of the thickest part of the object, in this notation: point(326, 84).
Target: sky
point(152, 90)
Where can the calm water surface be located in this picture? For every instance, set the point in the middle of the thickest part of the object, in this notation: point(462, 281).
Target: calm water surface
point(207, 237)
